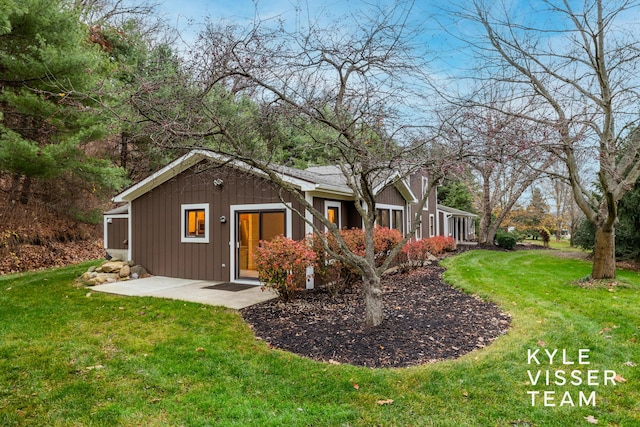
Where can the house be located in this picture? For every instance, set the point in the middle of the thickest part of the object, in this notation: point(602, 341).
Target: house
point(202, 217)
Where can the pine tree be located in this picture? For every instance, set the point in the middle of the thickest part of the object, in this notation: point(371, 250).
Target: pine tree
point(50, 73)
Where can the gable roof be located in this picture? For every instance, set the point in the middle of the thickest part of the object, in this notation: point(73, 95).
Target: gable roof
point(327, 179)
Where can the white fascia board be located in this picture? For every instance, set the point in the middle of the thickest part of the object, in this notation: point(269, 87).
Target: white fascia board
point(191, 158)
point(163, 175)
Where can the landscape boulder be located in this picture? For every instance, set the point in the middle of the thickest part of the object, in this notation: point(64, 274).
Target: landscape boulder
point(111, 271)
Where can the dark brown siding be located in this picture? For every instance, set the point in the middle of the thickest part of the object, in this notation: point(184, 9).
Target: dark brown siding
point(353, 218)
point(156, 228)
point(117, 233)
point(318, 204)
point(430, 207)
point(390, 196)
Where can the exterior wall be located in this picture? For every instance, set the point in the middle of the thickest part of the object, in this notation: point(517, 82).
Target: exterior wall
point(156, 217)
point(320, 204)
point(117, 233)
point(390, 196)
point(430, 207)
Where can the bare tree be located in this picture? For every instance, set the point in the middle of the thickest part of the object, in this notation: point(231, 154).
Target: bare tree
point(579, 66)
point(501, 158)
point(349, 80)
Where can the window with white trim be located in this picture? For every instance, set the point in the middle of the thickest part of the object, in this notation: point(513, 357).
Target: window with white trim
point(332, 212)
point(425, 186)
point(194, 223)
point(389, 217)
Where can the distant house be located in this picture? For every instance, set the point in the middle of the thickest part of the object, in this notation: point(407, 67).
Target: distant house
point(201, 217)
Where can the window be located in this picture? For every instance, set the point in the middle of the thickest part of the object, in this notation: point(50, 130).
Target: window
point(432, 225)
point(195, 223)
point(389, 217)
point(425, 186)
point(332, 212)
point(397, 221)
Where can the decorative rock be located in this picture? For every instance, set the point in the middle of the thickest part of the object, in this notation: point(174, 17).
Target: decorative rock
point(139, 271)
point(101, 278)
point(125, 271)
point(91, 269)
point(111, 266)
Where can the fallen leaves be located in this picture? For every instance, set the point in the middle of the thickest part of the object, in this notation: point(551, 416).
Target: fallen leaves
point(591, 419)
point(385, 402)
point(619, 379)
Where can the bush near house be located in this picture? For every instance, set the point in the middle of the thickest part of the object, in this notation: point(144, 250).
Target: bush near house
point(337, 275)
point(506, 240)
point(282, 262)
point(419, 250)
point(282, 265)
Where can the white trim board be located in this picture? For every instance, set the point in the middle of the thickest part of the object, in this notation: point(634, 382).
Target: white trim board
point(233, 210)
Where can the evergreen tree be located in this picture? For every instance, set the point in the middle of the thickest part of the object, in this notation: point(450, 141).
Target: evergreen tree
point(627, 230)
point(49, 71)
point(455, 194)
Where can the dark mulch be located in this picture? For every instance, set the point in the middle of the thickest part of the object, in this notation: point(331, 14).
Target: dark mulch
point(425, 320)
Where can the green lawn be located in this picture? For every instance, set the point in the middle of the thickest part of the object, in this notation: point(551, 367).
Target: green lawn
point(69, 357)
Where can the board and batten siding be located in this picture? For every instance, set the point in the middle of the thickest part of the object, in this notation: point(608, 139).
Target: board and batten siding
point(391, 196)
point(156, 223)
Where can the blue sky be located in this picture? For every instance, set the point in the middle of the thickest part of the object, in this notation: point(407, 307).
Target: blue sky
point(188, 16)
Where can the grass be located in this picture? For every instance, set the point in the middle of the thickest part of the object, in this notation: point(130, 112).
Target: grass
point(562, 244)
point(70, 357)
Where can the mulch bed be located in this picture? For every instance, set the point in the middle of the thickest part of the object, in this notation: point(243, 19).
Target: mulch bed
point(425, 320)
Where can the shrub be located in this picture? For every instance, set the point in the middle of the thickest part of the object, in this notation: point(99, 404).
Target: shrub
point(418, 251)
point(545, 235)
point(282, 265)
point(441, 244)
point(506, 241)
point(338, 275)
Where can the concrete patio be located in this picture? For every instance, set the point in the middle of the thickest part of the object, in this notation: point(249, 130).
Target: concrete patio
point(187, 290)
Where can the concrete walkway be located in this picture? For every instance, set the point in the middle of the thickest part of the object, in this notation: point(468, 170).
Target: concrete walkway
point(187, 290)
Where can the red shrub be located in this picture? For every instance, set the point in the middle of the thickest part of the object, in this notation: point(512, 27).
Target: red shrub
point(282, 265)
point(341, 275)
point(419, 250)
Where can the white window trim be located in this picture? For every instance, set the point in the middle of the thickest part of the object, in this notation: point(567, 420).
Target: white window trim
point(108, 219)
point(331, 204)
point(425, 185)
point(207, 220)
point(392, 208)
point(234, 209)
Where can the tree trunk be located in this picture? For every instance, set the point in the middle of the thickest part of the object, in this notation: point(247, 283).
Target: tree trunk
point(373, 301)
point(485, 220)
point(491, 235)
point(25, 192)
point(604, 257)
